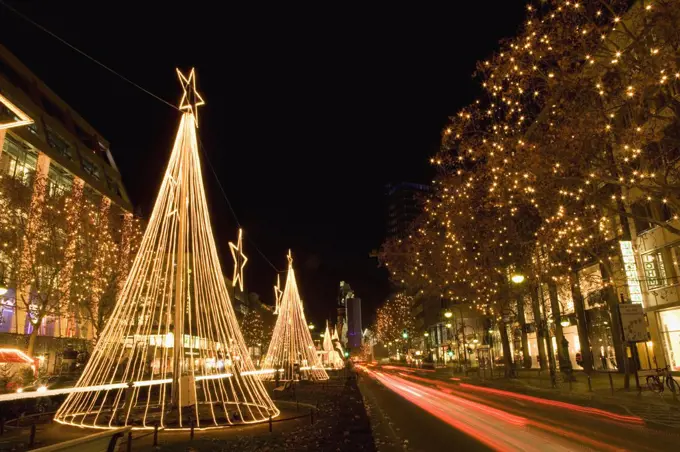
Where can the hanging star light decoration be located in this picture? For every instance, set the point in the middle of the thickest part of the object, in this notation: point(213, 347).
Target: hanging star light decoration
point(277, 294)
point(191, 100)
point(240, 260)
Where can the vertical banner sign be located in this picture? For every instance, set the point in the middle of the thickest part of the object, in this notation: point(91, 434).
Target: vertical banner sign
point(633, 323)
point(631, 271)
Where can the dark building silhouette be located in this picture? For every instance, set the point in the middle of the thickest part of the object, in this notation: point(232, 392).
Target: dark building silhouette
point(354, 329)
point(404, 203)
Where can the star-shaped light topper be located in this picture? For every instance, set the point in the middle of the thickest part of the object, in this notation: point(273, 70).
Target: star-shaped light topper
point(278, 294)
point(191, 100)
point(290, 258)
point(240, 260)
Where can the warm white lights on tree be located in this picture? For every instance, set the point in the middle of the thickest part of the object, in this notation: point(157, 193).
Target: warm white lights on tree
point(172, 349)
point(291, 350)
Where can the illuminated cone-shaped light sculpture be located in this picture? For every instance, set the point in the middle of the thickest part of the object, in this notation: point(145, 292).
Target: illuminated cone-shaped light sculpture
point(172, 352)
point(332, 355)
point(291, 351)
point(336, 341)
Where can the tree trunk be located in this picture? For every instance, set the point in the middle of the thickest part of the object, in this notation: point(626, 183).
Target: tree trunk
point(564, 361)
point(581, 323)
point(525, 340)
point(32, 340)
point(507, 354)
point(540, 338)
point(612, 303)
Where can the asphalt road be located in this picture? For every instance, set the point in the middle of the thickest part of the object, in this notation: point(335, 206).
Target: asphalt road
point(409, 410)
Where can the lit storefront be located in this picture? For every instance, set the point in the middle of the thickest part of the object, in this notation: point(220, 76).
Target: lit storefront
point(669, 330)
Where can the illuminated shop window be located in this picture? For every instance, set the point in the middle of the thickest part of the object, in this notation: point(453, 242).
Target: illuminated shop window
point(655, 271)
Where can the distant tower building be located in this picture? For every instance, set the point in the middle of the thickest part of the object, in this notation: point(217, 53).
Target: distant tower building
point(344, 294)
point(354, 330)
point(404, 203)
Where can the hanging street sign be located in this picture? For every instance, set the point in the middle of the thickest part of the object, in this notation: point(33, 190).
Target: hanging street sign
point(631, 271)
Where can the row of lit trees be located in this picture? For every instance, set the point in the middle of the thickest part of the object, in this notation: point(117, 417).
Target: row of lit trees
point(66, 254)
point(574, 135)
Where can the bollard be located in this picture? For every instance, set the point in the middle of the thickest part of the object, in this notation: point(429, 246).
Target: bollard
point(2, 425)
point(311, 416)
point(297, 404)
point(270, 424)
point(129, 441)
point(611, 382)
point(31, 440)
point(191, 434)
point(570, 383)
point(590, 384)
point(155, 434)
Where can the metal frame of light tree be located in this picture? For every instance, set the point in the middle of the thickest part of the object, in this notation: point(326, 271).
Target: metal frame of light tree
point(292, 343)
point(175, 298)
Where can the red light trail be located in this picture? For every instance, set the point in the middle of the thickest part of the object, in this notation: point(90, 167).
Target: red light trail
point(493, 426)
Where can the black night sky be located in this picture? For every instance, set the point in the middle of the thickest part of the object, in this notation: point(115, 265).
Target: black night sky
point(311, 110)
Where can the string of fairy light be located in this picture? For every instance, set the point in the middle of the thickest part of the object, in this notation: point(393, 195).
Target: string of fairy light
point(564, 132)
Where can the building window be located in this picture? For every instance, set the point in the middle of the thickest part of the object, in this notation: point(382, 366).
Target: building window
point(91, 169)
point(18, 161)
point(655, 270)
point(113, 185)
point(59, 144)
point(59, 180)
point(33, 128)
point(670, 337)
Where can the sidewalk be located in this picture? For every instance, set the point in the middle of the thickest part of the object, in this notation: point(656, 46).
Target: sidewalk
point(658, 409)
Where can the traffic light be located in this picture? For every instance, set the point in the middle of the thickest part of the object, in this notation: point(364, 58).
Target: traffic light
point(404, 334)
point(450, 353)
point(346, 354)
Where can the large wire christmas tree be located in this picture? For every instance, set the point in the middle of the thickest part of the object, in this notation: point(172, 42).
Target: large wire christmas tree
point(172, 352)
point(291, 351)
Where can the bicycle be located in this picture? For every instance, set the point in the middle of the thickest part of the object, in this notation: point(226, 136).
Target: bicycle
point(655, 384)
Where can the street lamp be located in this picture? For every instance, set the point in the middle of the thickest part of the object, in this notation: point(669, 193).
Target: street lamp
point(311, 326)
point(404, 335)
point(448, 314)
point(426, 334)
point(565, 322)
point(517, 278)
point(449, 325)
